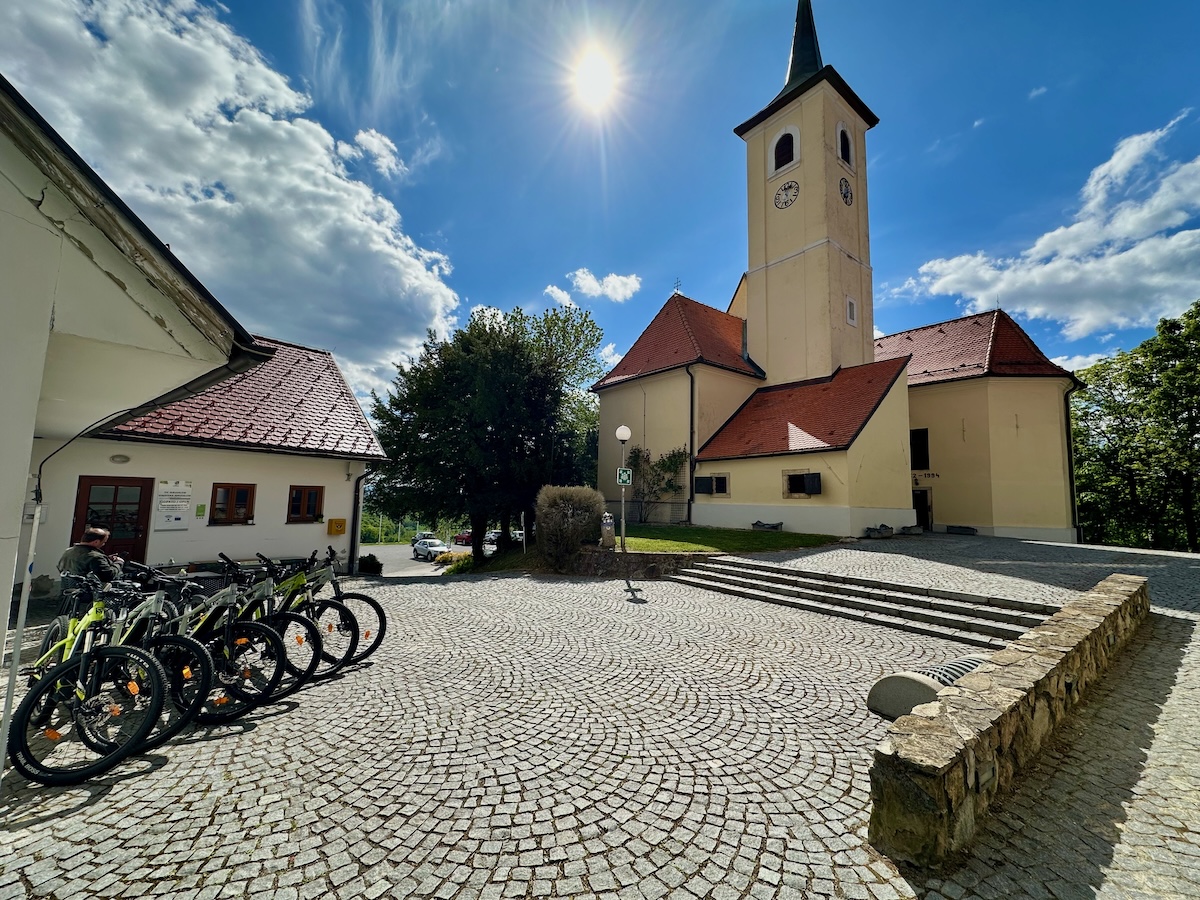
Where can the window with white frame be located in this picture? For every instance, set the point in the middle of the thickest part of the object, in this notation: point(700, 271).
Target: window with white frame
point(845, 144)
point(784, 149)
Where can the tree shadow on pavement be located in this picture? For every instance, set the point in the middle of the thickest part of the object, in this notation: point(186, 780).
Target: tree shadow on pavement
point(1070, 826)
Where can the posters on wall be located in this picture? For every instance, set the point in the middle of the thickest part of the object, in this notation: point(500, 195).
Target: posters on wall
point(172, 505)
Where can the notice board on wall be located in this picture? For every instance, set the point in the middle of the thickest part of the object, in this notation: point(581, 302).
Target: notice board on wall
point(172, 505)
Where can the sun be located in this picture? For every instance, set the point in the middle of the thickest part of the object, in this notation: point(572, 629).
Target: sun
point(595, 80)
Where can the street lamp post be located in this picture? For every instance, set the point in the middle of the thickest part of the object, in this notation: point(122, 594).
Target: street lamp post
point(623, 435)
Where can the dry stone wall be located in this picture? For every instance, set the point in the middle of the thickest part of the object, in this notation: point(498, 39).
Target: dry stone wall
point(940, 767)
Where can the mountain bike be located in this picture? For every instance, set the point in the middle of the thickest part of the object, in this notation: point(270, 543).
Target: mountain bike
point(89, 712)
point(372, 621)
point(302, 641)
point(339, 628)
point(248, 657)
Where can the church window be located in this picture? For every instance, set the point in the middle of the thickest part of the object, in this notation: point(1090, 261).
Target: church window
point(716, 485)
point(851, 311)
point(800, 483)
point(844, 147)
point(918, 442)
point(785, 151)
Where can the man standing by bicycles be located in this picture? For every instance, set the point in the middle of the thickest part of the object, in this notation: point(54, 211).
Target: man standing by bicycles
point(86, 558)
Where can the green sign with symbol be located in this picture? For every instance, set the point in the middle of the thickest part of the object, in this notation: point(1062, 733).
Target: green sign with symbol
point(624, 476)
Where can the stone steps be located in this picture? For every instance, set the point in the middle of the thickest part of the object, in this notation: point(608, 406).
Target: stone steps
point(988, 622)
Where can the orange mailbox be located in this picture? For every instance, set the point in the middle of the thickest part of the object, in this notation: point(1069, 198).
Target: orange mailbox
point(336, 526)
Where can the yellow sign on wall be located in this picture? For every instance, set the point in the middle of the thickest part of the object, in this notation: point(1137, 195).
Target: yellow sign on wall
point(336, 526)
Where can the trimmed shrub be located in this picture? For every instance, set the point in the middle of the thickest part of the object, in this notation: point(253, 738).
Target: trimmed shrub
point(369, 565)
point(566, 518)
point(460, 563)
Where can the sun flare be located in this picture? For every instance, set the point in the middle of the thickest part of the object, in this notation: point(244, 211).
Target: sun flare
point(595, 80)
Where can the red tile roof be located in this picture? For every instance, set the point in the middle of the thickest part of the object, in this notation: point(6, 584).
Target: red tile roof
point(683, 332)
point(807, 416)
point(295, 402)
point(989, 343)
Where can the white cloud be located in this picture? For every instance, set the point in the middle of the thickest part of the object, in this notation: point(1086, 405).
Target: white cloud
point(1075, 363)
point(1130, 257)
point(879, 333)
point(559, 296)
point(383, 152)
point(609, 355)
point(617, 288)
point(977, 123)
point(1037, 92)
point(211, 146)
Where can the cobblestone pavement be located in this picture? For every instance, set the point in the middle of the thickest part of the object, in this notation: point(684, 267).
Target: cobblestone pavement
point(541, 737)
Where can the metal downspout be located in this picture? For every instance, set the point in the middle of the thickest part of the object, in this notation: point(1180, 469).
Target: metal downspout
point(355, 524)
point(691, 441)
point(1071, 463)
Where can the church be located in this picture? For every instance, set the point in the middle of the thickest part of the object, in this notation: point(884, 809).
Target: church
point(791, 410)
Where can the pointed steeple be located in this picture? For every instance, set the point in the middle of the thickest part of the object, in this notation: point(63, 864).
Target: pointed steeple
point(806, 52)
point(805, 71)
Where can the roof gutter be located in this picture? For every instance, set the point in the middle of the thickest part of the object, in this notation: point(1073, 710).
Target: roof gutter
point(241, 359)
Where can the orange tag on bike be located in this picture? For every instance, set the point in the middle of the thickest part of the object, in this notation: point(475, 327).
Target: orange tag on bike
point(241, 642)
point(220, 701)
point(51, 734)
point(331, 628)
point(299, 639)
point(133, 688)
point(246, 673)
point(114, 711)
point(366, 634)
point(187, 671)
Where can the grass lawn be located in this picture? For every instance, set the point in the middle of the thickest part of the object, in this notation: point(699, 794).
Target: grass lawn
point(693, 539)
point(672, 539)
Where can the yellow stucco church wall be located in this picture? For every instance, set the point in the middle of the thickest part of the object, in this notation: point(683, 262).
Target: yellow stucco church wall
point(878, 462)
point(656, 410)
point(959, 473)
point(1031, 493)
point(997, 455)
point(719, 394)
point(865, 485)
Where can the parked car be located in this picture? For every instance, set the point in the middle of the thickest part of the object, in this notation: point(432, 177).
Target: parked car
point(429, 548)
point(491, 537)
point(463, 537)
point(518, 535)
point(422, 536)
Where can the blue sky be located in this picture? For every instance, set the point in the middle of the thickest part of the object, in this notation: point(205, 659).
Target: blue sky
point(350, 174)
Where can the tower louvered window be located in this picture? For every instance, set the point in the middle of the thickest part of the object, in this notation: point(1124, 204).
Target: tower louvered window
point(785, 151)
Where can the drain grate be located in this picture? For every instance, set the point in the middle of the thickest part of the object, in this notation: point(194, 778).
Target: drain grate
point(896, 695)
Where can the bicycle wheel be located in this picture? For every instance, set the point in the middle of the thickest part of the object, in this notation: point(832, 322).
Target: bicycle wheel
point(55, 632)
point(372, 623)
point(246, 669)
point(339, 632)
point(302, 644)
point(86, 715)
point(189, 670)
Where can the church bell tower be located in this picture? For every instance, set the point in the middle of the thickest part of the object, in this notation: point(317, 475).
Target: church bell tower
point(808, 280)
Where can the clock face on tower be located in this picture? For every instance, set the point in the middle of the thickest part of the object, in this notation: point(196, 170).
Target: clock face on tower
point(844, 190)
point(787, 194)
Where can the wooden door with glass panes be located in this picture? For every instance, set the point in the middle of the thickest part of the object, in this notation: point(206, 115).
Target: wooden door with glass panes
point(122, 505)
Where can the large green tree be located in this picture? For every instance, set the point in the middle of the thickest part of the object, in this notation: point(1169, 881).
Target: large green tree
point(476, 424)
point(1137, 441)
